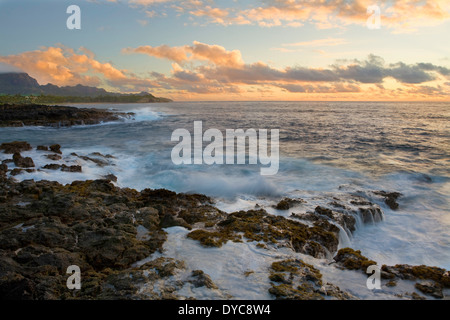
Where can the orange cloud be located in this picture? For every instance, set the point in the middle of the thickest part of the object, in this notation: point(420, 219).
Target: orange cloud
point(63, 66)
point(214, 54)
point(399, 15)
point(204, 71)
point(218, 71)
point(177, 54)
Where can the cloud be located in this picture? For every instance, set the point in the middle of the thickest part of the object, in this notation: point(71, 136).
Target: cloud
point(177, 54)
point(399, 16)
point(64, 66)
point(214, 54)
point(203, 69)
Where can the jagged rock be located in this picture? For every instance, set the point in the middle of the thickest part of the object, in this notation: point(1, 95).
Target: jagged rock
point(404, 271)
point(54, 116)
point(288, 203)
point(54, 157)
point(430, 288)
point(56, 148)
point(258, 225)
point(98, 162)
point(390, 198)
point(294, 279)
point(74, 168)
point(352, 260)
point(22, 162)
point(42, 148)
point(201, 279)
point(15, 147)
point(52, 166)
point(110, 177)
point(16, 171)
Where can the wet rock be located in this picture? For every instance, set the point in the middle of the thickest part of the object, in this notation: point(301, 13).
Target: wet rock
point(22, 162)
point(15, 147)
point(390, 198)
point(98, 162)
point(53, 116)
point(371, 214)
point(169, 220)
point(16, 171)
point(201, 279)
point(258, 225)
point(344, 219)
point(288, 203)
point(42, 148)
point(14, 286)
point(110, 177)
point(408, 272)
point(74, 168)
point(294, 279)
point(430, 288)
point(348, 258)
point(54, 157)
point(56, 148)
point(324, 211)
point(52, 166)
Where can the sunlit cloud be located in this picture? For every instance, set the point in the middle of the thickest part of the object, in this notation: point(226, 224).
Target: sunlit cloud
point(200, 70)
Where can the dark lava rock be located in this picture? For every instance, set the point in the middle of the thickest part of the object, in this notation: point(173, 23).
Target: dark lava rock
point(201, 279)
point(54, 157)
point(352, 260)
point(288, 203)
point(294, 279)
point(42, 148)
point(19, 161)
point(390, 198)
point(52, 166)
point(74, 168)
point(16, 171)
point(258, 225)
point(54, 116)
point(56, 148)
point(430, 288)
point(110, 177)
point(15, 147)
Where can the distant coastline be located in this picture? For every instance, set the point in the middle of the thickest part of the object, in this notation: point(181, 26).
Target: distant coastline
point(50, 99)
point(19, 115)
point(20, 88)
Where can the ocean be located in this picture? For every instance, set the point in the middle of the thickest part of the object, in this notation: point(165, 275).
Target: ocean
point(327, 149)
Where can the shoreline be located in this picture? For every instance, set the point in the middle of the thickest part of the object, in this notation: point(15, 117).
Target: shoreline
point(105, 230)
point(20, 115)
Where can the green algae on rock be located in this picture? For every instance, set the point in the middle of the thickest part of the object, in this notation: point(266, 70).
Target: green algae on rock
point(260, 226)
point(293, 279)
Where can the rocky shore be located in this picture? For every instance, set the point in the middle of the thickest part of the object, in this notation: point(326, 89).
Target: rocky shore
point(115, 236)
point(54, 116)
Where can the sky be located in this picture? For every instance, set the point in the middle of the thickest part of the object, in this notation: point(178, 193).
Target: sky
point(216, 50)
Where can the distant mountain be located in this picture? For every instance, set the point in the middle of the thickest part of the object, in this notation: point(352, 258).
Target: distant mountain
point(13, 83)
point(18, 83)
